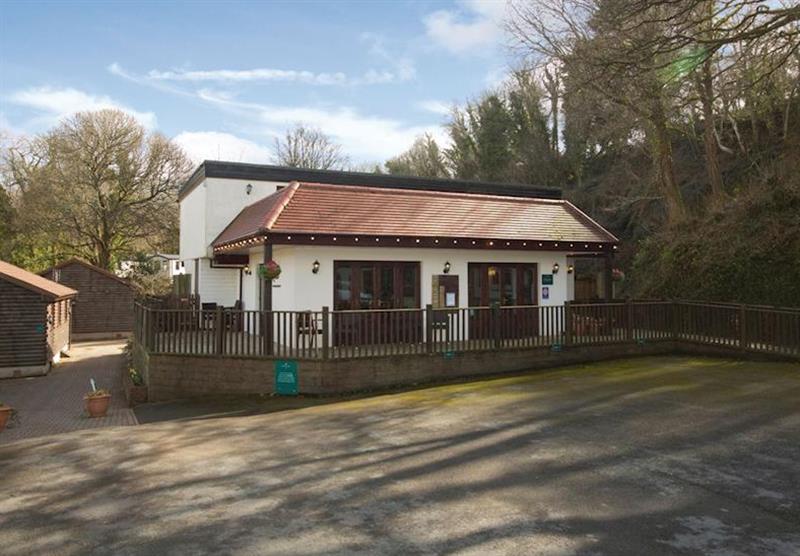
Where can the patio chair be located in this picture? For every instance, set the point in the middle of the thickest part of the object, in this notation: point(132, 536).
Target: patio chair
point(307, 326)
point(207, 313)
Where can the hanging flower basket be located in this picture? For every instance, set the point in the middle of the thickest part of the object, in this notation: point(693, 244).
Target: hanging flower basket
point(269, 271)
point(617, 275)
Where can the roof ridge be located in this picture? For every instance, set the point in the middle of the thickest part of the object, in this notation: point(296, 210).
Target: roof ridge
point(434, 193)
point(276, 211)
point(588, 219)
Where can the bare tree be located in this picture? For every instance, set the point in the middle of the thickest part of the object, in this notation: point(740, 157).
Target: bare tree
point(593, 44)
point(308, 147)
point(99, 187)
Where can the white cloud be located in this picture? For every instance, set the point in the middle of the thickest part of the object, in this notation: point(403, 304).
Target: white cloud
point(214, 145)
point(362, 137)
point(54, 104)
point(403, 67)
point(475, 26)
point(435, 107)
point(402, 70)
point(257, 74)
point(397, 69)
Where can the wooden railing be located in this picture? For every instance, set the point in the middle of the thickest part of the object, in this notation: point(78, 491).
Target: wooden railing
point(329, 334)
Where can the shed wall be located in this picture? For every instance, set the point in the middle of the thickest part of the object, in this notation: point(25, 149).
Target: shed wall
point(23, 327)
point(103, 305)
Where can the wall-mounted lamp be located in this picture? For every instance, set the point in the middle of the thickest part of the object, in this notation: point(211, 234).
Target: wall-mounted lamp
point(315, 267)
point(446, 268)
point(555, 268)
point(570, 269)
point(248, 188)
point(247, 270)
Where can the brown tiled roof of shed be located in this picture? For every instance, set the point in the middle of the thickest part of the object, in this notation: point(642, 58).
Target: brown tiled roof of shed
point(34, 282)
point(350, 210)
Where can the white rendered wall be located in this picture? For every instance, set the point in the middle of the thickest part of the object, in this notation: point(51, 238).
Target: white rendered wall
point(250, 283)
point(300, 289)
point(224, 199)
point(192, 224)
point(218, 285)
point(204, 213)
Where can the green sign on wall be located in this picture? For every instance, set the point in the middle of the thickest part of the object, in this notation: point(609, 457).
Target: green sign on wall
point(286, 377)
point(547, 279)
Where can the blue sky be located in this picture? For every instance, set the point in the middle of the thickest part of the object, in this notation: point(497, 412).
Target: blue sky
point(224, 78)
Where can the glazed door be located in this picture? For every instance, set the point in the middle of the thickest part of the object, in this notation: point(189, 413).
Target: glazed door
point(375, 285)
point(508, 285)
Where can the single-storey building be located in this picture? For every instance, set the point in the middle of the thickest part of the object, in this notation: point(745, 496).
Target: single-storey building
point(35, 317)
point(350, 240)
point(104, 305)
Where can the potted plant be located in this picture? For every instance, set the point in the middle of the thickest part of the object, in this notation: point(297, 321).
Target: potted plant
point(135, 389)
point(6, 411)
point(269, 271)
point(97, 402)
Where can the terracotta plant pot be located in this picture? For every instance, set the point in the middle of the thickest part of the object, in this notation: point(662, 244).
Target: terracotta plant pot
point(5, 415)
point(97, 406)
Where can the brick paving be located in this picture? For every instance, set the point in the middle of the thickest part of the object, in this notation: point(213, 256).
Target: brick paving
point(54, 404)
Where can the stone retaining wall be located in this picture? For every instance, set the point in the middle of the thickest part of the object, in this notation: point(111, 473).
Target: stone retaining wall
point(171, 377)
point(175, 376)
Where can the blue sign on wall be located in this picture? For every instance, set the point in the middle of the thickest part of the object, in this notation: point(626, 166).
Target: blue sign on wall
point(286, 377)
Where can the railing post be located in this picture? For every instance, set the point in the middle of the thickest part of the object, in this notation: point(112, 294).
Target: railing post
point(150, 332)
point(219, 331)
point(676, 312)
point(144, 334)
point(567, 323)
point(325, 328)
point(268, 332)
point(743, 327)
point(429, 328)
point(496, 326)
point(628, 320)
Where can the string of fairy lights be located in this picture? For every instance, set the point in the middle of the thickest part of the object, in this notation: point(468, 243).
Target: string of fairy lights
point(422, 242)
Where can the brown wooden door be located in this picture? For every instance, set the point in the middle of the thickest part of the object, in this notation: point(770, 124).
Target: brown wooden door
point(507, 285)
point(376, 285)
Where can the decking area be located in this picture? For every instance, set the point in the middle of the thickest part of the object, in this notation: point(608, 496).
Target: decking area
point(325, 334)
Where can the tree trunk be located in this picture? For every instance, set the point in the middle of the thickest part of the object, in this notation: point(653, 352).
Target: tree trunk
point(664, 164)
point(553, 91)
point(705, 87)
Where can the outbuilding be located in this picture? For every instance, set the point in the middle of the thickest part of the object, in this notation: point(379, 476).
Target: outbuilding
point(104, 306)
point(35, 318)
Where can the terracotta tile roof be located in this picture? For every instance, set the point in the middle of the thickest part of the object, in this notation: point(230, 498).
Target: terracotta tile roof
point(34, 282)
point(343, 209)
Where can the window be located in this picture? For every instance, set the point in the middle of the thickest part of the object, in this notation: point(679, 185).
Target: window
point(375, 285)
point(502, 283)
